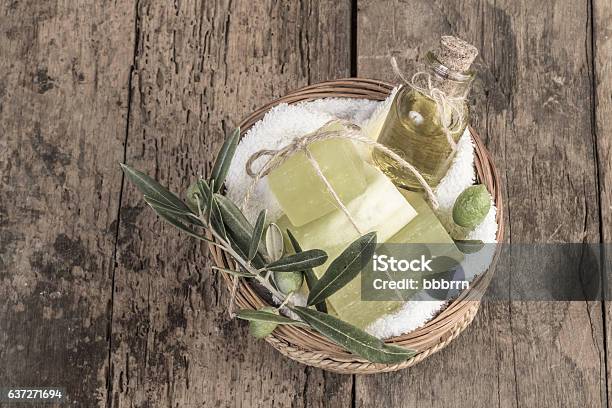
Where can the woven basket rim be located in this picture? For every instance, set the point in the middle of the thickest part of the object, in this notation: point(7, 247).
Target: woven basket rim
point(307, 346)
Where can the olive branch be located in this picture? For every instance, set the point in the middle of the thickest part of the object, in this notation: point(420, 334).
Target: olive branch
point(258, 251)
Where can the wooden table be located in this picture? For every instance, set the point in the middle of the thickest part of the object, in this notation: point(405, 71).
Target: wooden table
point(102, 298)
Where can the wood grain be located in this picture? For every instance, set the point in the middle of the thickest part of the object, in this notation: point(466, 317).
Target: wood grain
point(602, 137)
point(63, 107)
point(530, 106)
point(199, 67)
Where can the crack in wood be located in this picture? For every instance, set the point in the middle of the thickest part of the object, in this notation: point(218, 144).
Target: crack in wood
point(109, 381)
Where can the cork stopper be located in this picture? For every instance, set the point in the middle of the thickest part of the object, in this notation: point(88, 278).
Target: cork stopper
point(455, 54)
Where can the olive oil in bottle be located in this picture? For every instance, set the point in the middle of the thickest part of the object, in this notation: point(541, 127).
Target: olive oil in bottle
point(413, 127)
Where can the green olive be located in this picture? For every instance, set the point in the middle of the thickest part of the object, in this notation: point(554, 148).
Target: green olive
point(261, 329)
point(288, 282)
point(472, 206)
point(192, 203)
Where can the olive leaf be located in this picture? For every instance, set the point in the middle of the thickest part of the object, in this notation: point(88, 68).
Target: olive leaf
point(185, 216)
point(224, 159)
point(211, 203)
point(311, 278)
point(257, 234)
point(239, 230)
point(344, 268)
point(169, 208)
point(153, 189)
point(173, 220)
point(236, 247)
point(352, 338)
point(216, 218)
point(204, 190)
point(469, 246)
point(298, 262)
point(232, 272)
point(237, 224)
point(262, 316)
point(274, 242)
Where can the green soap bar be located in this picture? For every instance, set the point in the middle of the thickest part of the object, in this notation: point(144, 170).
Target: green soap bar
point(381, 208)
point(302, 195)
point(426, 229)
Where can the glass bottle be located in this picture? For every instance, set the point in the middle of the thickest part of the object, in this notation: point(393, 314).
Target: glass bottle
point(413, 127)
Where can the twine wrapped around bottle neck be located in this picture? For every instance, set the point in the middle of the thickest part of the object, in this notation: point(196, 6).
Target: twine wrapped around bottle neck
point(349, 131)
point(449, 108)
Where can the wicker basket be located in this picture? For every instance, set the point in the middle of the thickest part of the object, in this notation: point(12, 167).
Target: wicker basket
point(307, 346)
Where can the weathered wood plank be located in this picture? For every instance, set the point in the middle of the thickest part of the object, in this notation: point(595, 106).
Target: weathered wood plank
point(602, 66)
point(200, 67)
point(63, 106)
point(532, 109)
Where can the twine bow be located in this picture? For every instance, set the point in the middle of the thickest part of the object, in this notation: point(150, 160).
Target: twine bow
point(300, 144)
point(449, 108)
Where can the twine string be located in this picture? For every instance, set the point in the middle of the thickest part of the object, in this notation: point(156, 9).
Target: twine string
point(349, 131)
point(449, 108)
point(330, 189)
